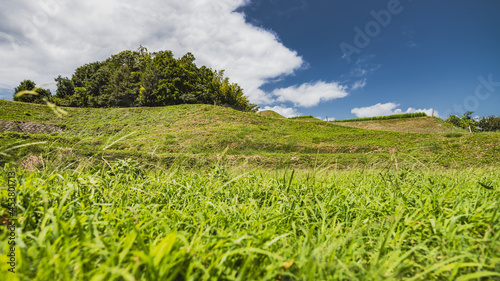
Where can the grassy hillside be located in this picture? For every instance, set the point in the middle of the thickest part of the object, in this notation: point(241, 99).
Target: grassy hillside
point(270, 114)
point(386, 117)
point(201, 132)
point(413, 125)
point(114, 196)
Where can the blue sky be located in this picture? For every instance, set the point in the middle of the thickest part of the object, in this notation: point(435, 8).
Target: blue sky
point(429, 55)
point(420, 55)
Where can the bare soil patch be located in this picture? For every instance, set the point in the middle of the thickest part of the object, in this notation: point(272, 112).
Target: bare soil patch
point(28, 127)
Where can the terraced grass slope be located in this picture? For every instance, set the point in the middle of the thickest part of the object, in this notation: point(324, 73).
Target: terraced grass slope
point(201, 132)
point(413, 125)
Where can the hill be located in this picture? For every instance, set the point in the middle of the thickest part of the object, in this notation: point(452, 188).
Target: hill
point(270, 114)
point(177, 193)
point(413, 125)
point(200, 134)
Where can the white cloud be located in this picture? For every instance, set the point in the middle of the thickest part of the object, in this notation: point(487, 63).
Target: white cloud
point(364, 66)
point(40, 41)
point(311, 94)
point(283, 110)
point(389, 108)
point(427, 111)
point(378, 109)
point(325, 118)
point(360, 84)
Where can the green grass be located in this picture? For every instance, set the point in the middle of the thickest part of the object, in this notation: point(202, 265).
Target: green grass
point(410, 125)
point(304, 117)
point(454, 135)
point(386, 117)
point(146, 194)
point(270, 114)
point(204, 131)
point(123, 221)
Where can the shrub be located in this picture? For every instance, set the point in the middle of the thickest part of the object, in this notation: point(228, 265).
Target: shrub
point(453, 135)
point(302, 117)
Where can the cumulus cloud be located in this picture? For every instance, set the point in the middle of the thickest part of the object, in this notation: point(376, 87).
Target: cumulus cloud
point(378, 109)
point(42, 39)
point(283, 110)
point(382, 109)
point(311, 94)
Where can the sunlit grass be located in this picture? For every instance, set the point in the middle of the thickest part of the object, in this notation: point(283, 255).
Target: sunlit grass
point(123, 221)
point(203, 131)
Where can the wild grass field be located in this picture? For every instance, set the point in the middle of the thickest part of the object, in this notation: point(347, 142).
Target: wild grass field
point(199, 192)
point(125, 222)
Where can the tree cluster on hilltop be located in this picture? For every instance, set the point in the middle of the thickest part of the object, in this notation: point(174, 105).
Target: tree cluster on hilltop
point(142, 78)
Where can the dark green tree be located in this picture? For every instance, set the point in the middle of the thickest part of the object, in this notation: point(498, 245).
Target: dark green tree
point(468, 122)
point(454, 120)
point(39, 96)
point(123, 87)
point(148, 89)
point(489, 124)
point(65, 87)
